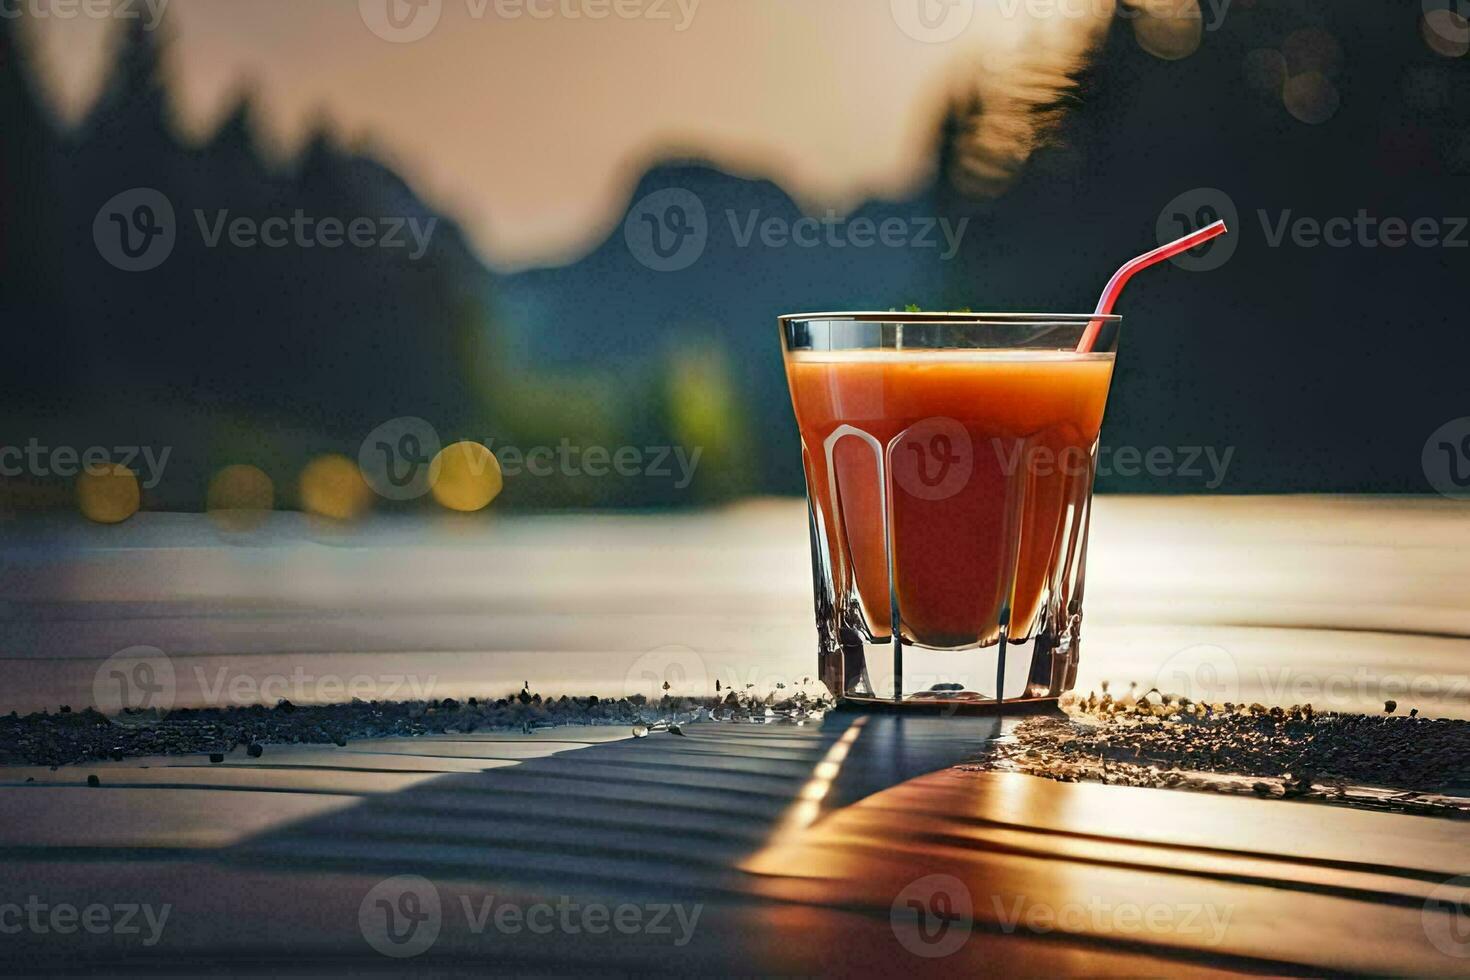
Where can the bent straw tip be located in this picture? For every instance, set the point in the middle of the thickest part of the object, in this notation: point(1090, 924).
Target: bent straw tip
point(1125, 272)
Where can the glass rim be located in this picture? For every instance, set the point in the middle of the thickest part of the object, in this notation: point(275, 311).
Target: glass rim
point(944, 318)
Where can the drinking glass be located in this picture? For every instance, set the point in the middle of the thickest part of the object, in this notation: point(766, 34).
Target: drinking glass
point(949, 463)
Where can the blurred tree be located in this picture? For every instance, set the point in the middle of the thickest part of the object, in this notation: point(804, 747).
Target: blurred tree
point(708, 416)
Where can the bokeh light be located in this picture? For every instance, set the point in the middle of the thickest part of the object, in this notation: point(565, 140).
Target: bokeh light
point(240, 497)
point(465, 477)
point(1311, 97)
point(1446, 31)
point(332, 486)
point(108, 494)
point(1170, 30)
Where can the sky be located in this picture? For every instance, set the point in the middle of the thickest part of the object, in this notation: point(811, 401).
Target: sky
point(530, 120)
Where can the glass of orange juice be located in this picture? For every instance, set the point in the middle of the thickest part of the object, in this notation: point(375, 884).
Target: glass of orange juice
point(949, 462)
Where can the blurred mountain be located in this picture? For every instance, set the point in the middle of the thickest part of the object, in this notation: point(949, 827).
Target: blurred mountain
point(755, 260)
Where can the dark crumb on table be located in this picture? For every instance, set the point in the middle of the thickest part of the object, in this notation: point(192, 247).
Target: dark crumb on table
point(70, 737)
point(1394, 762)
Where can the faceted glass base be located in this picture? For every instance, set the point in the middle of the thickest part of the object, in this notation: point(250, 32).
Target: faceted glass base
point(868, 672)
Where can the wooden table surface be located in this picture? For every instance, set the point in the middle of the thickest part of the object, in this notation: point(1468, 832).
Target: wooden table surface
point(853, 845)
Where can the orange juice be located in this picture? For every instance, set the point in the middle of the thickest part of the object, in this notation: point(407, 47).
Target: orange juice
point(987, 458)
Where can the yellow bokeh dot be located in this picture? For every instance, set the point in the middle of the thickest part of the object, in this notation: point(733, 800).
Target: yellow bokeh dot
point(108, 494)
point(332, 486)
point(1170, 31)
point(240, 497)
point(465, 476)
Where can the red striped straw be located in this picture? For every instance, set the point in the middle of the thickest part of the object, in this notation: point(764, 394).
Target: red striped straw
point(1121, 277)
